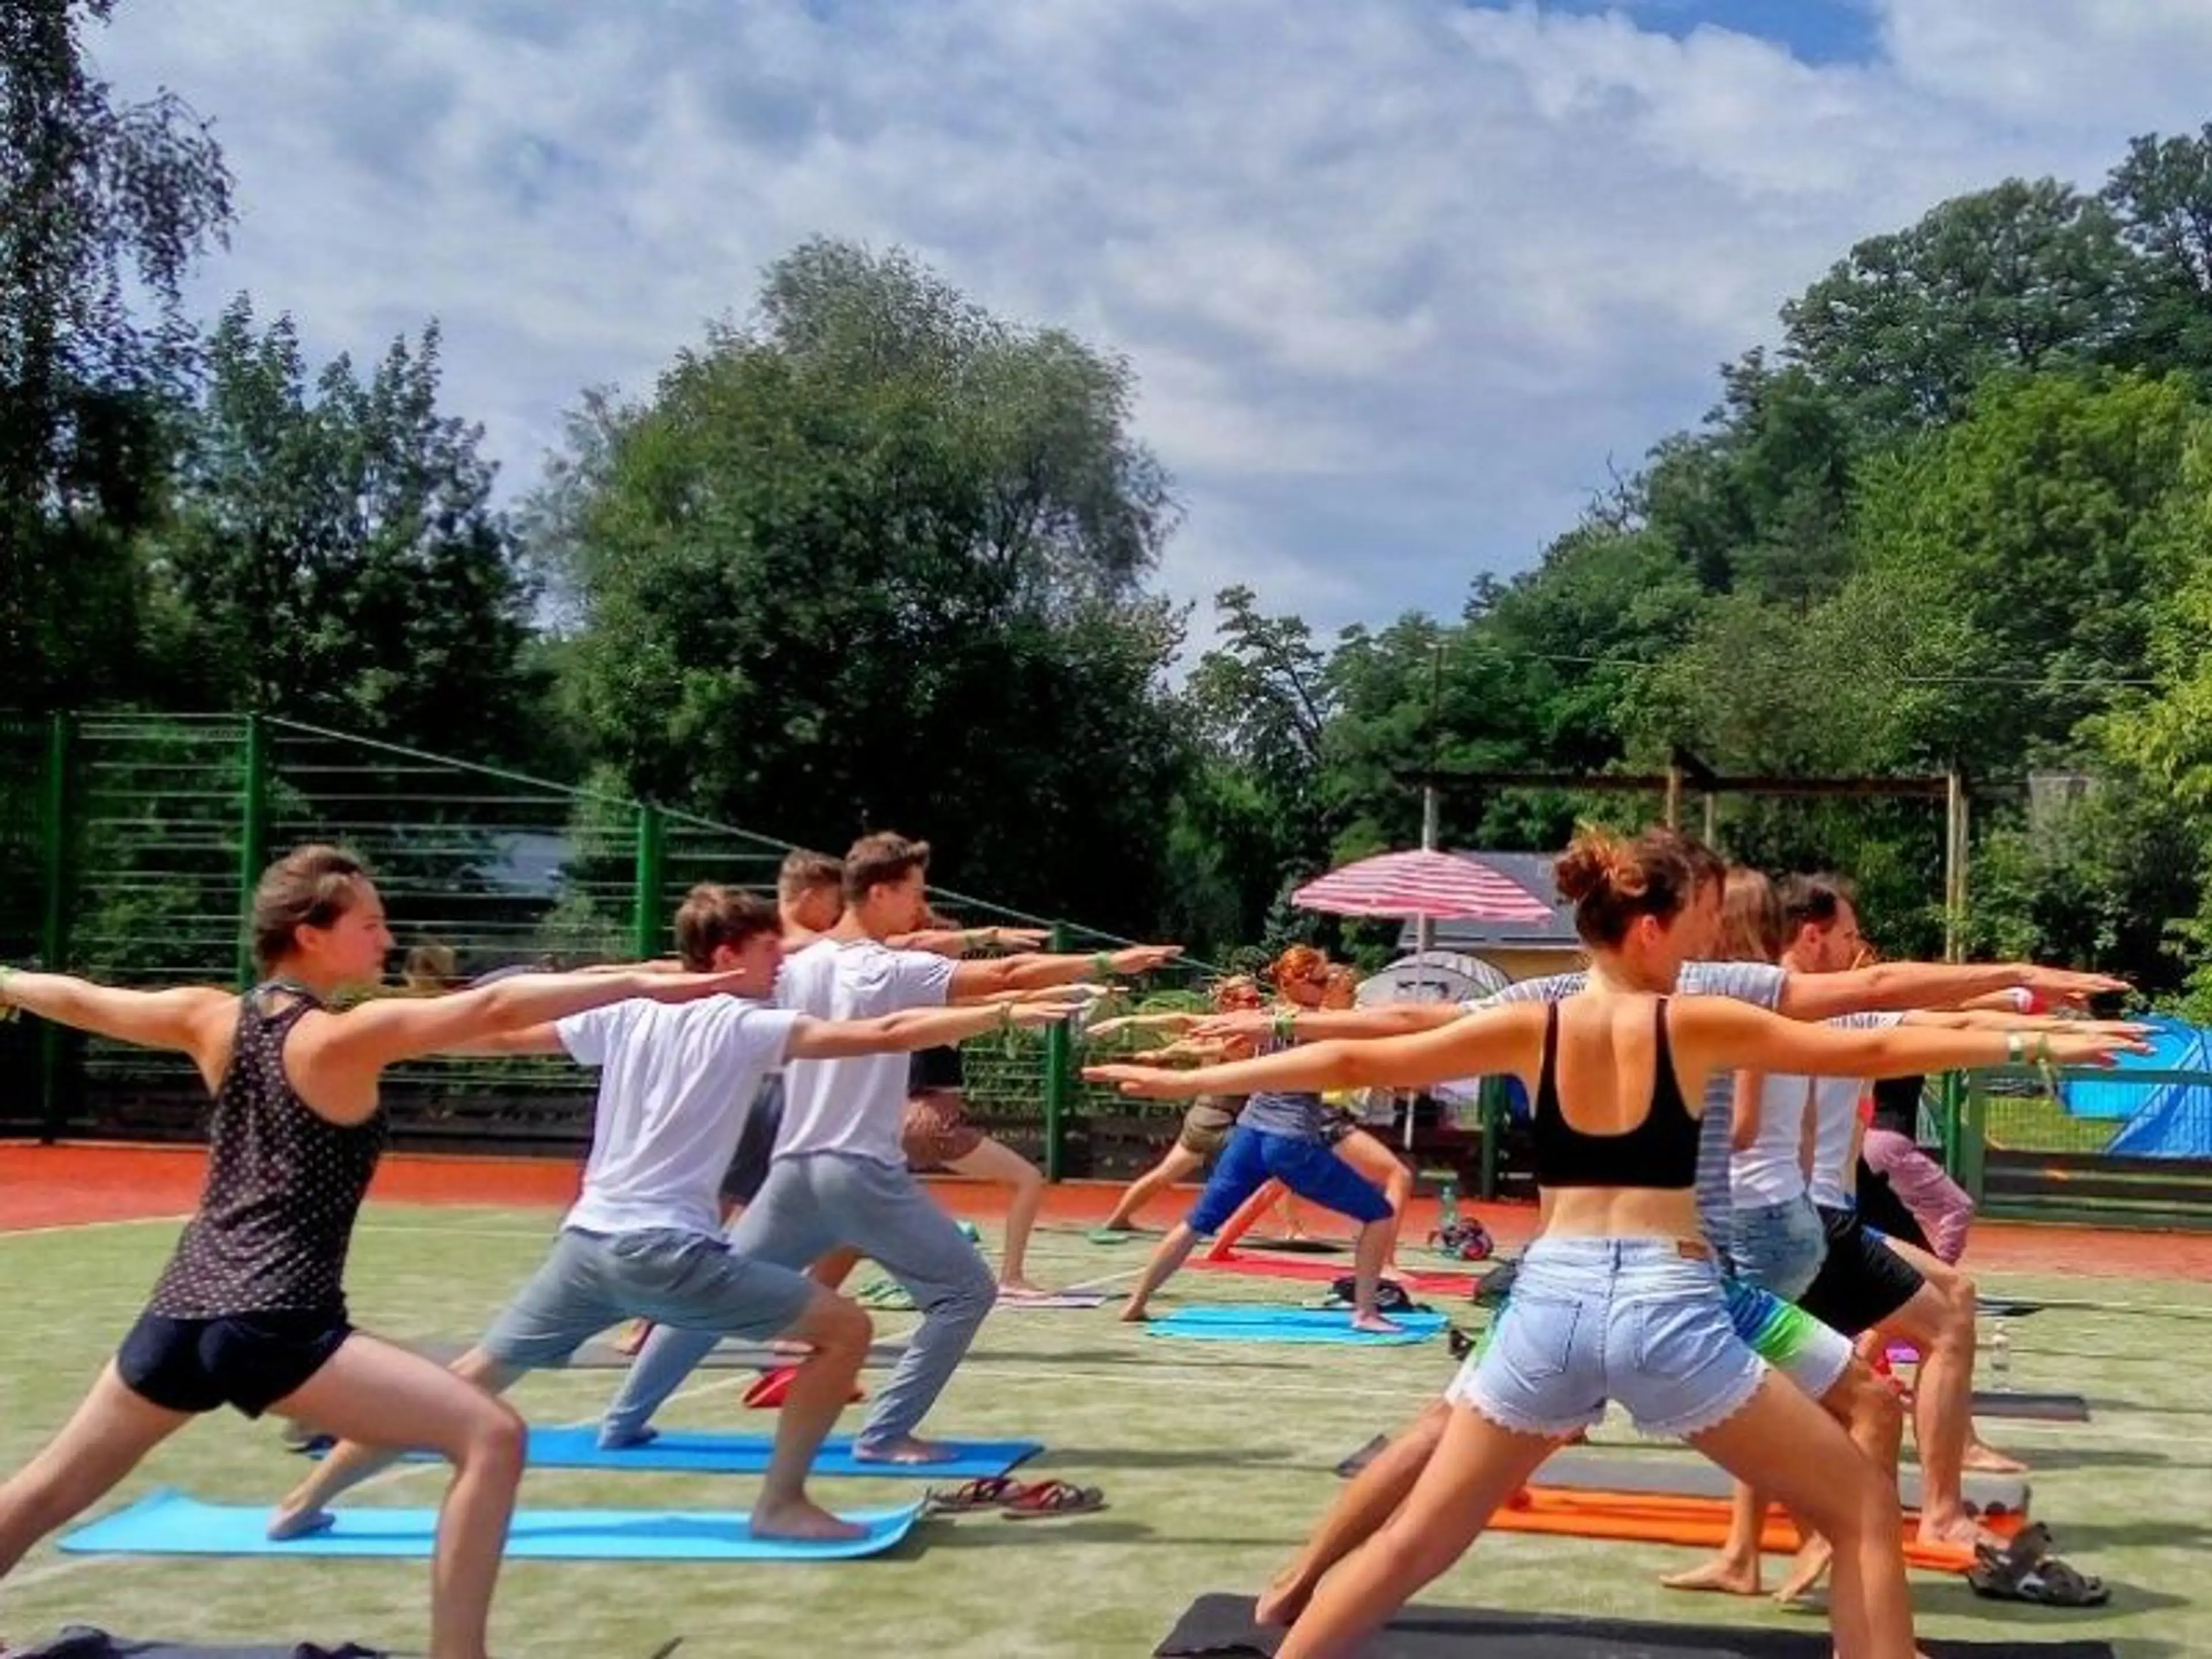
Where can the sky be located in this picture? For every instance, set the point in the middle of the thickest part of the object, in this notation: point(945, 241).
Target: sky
point(1404, 283)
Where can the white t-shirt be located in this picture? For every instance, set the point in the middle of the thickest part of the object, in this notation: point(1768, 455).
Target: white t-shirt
point(1836, 1110)
point(1770, 1171)
point(855, 1105)
point(677, 1081)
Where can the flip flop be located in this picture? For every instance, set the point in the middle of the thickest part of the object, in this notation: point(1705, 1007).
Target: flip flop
point(1048, 1498)
point(988, 1492)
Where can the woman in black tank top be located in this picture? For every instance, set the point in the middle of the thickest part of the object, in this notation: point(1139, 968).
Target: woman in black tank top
point(250, 1311)
point(1619, 1297)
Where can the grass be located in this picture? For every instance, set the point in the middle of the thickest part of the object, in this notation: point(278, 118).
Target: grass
point(1215, 1459)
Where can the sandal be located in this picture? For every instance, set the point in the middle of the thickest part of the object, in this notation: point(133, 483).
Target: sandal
point(2025, 1571)
point(1051, 1498)
point(987, 1494)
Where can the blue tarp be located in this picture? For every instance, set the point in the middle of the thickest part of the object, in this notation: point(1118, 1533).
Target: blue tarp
point(2176, 1046)
point(2172, 1119)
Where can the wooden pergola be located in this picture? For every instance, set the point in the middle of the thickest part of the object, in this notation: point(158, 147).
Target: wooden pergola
point(1685, 773)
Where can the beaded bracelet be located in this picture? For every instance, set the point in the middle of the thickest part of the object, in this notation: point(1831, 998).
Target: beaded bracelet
point(8, 1009)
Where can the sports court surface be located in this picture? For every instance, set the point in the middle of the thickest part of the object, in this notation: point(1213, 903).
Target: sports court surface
point(1214, 1455)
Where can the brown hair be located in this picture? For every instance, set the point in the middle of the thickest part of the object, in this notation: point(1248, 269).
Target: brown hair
point(1223, 992)
point(1707, 867)
point(1299, 962)
point(712, 915)
point(1750, 918)
point(803, 873)
point(430, 967)
point(309, 887)
point(1813, 901)
point(880, 859)
point(1612, 882)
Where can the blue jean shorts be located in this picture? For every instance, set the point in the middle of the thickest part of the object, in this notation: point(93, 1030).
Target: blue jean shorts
point(1778, 1246)
point(1642, 1321)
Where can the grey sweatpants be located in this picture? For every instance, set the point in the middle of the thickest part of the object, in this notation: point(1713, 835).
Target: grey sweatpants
point(810, 1204)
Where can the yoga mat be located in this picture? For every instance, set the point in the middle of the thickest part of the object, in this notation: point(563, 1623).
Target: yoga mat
point(688, 1451)
point(170, 1523)
point(1998, 1307)
point(1059, 1299)
point(1222, 1626)
point(88, 1642)
point(1692, 1522)
point(1587, 1468)
point(1262, 1323)
point(2033, 1408)
point(1322, 1273)
point(1299, 1246)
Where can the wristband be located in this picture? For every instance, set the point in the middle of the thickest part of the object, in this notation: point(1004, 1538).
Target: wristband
point(2015, 1048)
point(7, 1008)
point(1286, 1024)
point(1102, 965)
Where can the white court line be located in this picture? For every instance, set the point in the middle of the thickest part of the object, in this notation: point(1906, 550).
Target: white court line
point(87, 1226)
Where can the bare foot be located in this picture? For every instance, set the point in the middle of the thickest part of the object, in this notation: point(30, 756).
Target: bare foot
point(1133, 1314)
point(1021, 1287)
point(300, 1523)
point(1984, 1459)
point(790, 1345)
point(810, 1523)
point(905, 1449)
point(1283, 1601)
point(1721, 1574)
point(1807, 1570)
point(1960, 1529)
point(1376, 1322)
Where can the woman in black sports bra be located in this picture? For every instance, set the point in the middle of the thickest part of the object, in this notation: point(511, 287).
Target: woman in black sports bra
point(250, 1311)
point(1618, 1298)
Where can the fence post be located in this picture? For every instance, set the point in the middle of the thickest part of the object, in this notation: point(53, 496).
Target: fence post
point(252, 839)
point(652, 860)
point(1492, 1096)
point(1058, 1080)
point(1973, 1138)
point(53, 925)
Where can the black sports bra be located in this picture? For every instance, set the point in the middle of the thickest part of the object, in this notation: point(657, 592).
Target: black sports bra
point(1661, 1152)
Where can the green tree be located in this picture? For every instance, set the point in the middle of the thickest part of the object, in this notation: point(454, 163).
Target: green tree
point(332, 553)
point(104, 205)
point(2161, 194)
point(874, 559)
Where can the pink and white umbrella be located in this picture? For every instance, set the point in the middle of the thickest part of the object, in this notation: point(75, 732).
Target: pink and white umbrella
point(1438, 886)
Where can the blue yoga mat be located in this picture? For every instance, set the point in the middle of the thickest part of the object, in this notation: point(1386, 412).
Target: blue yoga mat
point(1259, 1322)
point(691, 1451)
point(170, 1523)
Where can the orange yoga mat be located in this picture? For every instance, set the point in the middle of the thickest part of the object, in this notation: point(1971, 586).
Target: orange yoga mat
point(1644, 1518)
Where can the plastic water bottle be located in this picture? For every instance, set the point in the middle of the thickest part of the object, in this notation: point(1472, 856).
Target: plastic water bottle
point(2000, 1356)
point(1447, 1206)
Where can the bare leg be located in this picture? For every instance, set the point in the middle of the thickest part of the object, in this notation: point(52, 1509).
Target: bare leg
point(1939, 1322)
point(1367, 1273)
point(108, 1435)
point(1477, 1467)
point(1784, 1443)
point(831, 1272)
point(1736, 1570)
point(1173, 1251)
point(304, 1508)
point(385, 1396)
point(994, 1162)
point(838, 1332)
point(1368, 1499)
point(1179, 1162)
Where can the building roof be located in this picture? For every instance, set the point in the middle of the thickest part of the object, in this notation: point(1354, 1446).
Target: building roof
point(1534, 872)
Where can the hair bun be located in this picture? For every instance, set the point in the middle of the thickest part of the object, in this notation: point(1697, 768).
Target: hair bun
point(1592, 861)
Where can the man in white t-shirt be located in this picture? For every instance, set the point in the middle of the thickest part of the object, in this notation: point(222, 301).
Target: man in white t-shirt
point(839, 1175)
point(644, 1237)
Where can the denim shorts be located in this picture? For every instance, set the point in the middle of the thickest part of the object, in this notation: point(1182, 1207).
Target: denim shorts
point(1778, 1246)
point(1642, 1321)
point(690, 1281)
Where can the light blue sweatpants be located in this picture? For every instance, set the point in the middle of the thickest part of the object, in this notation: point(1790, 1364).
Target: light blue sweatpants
point(810, 1204)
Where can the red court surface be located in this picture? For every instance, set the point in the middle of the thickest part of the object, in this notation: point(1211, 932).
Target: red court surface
point(74, 1184)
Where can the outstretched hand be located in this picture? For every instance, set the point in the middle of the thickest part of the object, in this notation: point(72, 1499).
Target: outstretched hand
point(1145, 1022)
point(2091, 1048)
point(2066, 986)
point(1246, 1023)
point(1143, 958)
point(1144, 1082)
point(1030, 1016)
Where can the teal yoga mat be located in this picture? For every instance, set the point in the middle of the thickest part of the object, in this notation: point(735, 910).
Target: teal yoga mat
point(172, 1523)
point(1259, 1322)
point(689, 1451)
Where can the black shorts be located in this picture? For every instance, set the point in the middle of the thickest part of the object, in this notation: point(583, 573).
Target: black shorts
point(1863, 1281)
point(931, 1069)
point(741, 1183)
point(1885, 1212)
point(247, 1361)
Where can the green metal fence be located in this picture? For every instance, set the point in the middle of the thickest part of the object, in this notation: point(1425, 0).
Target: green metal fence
point(129, 849)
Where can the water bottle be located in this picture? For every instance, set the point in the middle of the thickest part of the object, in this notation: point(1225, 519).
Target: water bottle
point(2000, 1356)
point(1447, 1206)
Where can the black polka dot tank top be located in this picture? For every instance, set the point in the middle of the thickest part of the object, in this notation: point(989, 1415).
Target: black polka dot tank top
point(283, 1185)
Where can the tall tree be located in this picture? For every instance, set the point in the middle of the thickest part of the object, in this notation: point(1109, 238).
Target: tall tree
point(333, 552)
point(874, 558)
point(104, 205)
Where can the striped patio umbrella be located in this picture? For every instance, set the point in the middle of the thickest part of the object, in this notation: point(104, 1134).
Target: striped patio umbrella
point(1423, 883)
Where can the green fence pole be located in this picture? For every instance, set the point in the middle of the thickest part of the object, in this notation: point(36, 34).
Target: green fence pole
point(53, 928)
point(652, 865)
point(1058, 1080)
point(1951, 1102)
point(1492, 1096)
point(252, 838)
point(1973, 1138)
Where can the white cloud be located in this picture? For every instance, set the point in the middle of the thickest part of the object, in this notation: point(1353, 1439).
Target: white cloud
point(1399, 278)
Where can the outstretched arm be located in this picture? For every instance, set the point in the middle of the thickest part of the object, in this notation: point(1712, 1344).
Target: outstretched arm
point(182, 1018)
point(974, 979)
point(1505, 1040)
point(919, 1028)
point(1720, 1032)
point(1891, 987)
point(1320, 1025)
